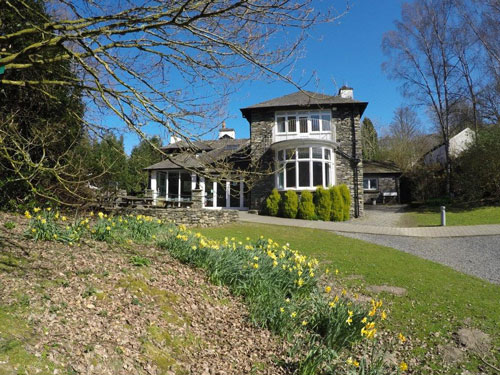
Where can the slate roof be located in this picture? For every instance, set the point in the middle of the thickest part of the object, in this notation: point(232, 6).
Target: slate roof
point(199, 154)
point(370, 166)
point(304, 99)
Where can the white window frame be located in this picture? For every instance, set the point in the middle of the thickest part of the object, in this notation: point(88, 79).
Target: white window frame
point(309, 114)
point(369, 179)
point(281, 167)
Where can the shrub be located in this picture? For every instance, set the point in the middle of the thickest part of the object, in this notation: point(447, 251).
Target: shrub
point(323, 203)
point(306, 206)
point(346, 197)
point(337, 212)
point(290, 204)
point(273, 203)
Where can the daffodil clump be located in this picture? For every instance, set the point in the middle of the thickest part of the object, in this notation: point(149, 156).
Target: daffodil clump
point(280, 287)
point(49, 225)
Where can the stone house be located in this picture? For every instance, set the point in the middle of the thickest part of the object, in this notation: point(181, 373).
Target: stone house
point(297, 142)
point(381, 182)
point(458, 143)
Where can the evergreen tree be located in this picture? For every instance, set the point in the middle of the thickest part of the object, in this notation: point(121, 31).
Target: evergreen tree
point(142, 156)
point(369, 140)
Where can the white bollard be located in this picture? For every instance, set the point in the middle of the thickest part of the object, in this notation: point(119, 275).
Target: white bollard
point(443, 216)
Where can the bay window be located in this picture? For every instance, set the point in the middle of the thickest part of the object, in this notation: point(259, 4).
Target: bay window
point(304, 168)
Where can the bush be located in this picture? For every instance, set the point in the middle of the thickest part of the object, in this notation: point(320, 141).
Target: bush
point(306, 206)
point(290, 204)
point(337, 211)
point(323, 203)
point(477, 170)
point(346, 197)
point(273, 203)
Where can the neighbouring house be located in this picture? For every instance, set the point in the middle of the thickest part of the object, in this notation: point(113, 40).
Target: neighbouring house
point(297, 142)
point(458, 144)
point(381, 182)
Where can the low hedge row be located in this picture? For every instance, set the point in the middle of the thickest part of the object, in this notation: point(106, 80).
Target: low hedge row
point(332, 204)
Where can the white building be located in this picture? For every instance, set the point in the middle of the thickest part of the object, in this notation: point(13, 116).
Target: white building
point(458, 144)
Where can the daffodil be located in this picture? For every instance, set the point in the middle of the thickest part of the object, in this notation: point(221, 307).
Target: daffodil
point(401, 337)
point(304, 323)
point(383, 316)
point(328, 289)
point(27, 214)
point(293, 315)
point(36, 209)
point(403, 366)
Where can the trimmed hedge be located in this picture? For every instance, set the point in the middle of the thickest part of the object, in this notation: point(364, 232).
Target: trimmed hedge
point(323, 203)
point(273, 203)
point(290, 204)
point(337, 212)
point(306, 206)
point(346, 196)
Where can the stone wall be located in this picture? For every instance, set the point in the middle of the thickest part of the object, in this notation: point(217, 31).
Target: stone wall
point(261, 137)
point(344, 119)
point(191, 217)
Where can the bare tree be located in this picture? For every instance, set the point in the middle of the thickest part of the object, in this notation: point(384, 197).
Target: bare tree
point(403, 143)
point(170, 63)
point(421, 55)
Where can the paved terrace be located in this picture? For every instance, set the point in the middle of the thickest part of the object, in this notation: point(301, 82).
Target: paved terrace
point(365, 228)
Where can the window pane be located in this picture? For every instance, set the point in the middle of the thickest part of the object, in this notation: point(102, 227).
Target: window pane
point(325, 119)
point(315, 123)
point(317, 173)
point(328, 155)
point(221, 194)
point(304, 153)
point(186, 186)
point(281, 124)
point(234, 190)
point(303, 124)
point(317, 153)
point(290, 154)
point(281, 179)
point(373, 183)
point(304, 173)
point(290, 174)
point(281, 155)
point(327, 174)
point(365, 183)
point(292, 124)
point(209, 193)
point(173, 185)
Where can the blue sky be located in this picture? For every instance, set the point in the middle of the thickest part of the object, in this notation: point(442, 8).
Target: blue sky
point(346, 52)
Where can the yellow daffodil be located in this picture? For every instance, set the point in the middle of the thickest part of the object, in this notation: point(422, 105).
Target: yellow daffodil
point(282, 310)
point(344, 292)
point(327, 271)
point(193, 247)
point(36, 209)
point(108, 228)
point(401, 338)
point(43, 221)
point(304, 323)
point(33, 230)
point(100, 214)
point(336, 271)
point(328, 289)
point(383, 316)
point(48, 209)
point(364, 320)
point(27, 214)
point(349, 320)
point(403, 366)
point(293, 315)
point(256, 265)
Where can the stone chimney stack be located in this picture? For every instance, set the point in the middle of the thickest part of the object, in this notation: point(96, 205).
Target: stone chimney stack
point(226, 132)
point(346, 92)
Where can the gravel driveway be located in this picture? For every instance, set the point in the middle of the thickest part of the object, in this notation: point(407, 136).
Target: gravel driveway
point(478, 256)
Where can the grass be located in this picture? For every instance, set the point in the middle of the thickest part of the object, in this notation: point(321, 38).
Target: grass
point(430, 216)
point(439, 300)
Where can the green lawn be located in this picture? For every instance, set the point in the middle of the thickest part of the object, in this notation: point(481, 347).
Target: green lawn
point(439, 298)
point(431, 216)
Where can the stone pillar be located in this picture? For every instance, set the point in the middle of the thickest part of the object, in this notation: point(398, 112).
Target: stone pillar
point(197, 198)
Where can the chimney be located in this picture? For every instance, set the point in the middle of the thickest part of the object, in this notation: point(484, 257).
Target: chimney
point(346, 92)
point(226, 132)
point(174, 139)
